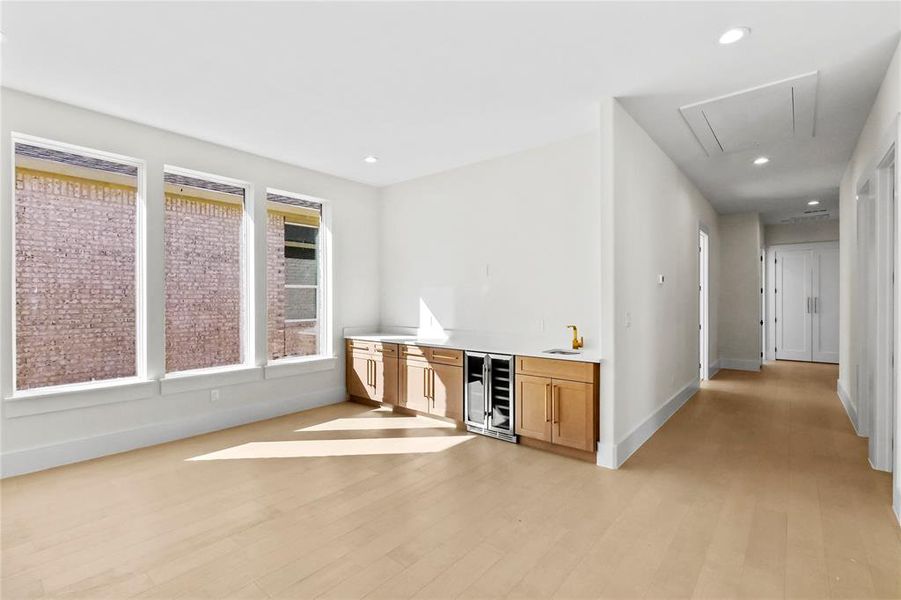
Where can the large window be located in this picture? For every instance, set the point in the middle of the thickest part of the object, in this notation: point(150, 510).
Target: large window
point(76, 288)
point(295, 276)
point(204, 271)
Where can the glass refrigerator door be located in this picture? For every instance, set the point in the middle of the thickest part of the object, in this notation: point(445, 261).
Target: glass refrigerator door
point(475, 389)
point(501, 400)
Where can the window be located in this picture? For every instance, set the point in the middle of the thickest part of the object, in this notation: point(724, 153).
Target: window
point(76, 257)
point(204, 271)
point(294, 265)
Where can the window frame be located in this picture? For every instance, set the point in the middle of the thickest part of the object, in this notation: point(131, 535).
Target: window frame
point(140, 242)
point(246, 241)
point(324, 295)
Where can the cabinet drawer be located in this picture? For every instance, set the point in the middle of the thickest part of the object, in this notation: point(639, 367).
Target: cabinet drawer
point(557, 369)
point(359, 346)
point(407, 351)
point(446, 356)
point(386, 350)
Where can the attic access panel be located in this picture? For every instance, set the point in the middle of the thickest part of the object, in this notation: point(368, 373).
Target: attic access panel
point(750, 118)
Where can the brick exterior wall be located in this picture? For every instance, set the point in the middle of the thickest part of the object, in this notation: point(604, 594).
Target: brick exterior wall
point(75, 280)
point(285, 339)
point(203, 283)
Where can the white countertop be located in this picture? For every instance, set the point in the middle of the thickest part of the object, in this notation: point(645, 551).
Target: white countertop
point(478, 343)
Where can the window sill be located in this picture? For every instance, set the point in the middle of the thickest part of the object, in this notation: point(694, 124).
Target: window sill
point(204, 379)
point(78, 395)
point(288, 367)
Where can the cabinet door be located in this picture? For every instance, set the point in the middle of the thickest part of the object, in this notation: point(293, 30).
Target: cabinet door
point(447, 391)
point(414, 385)
point(533, 407)
point(572, 412)
point(385, 370)
point(359, 376)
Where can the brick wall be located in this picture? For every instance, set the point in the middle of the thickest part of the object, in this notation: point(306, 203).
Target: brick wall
point(75, 280)
point(203, 283)
point(285, 339)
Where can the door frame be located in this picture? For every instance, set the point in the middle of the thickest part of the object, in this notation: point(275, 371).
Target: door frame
point(703, 302)
point(879, 413)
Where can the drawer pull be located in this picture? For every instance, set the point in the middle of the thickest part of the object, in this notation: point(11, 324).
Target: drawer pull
point(445, 356)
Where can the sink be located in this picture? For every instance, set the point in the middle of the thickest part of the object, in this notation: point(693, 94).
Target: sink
point(562, 351)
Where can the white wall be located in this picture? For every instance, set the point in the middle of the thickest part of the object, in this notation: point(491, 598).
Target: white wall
point(740, 298)
point(42, 440)
point(499, 246)
point(651, 215)
point(800, 233)
point(881, 128)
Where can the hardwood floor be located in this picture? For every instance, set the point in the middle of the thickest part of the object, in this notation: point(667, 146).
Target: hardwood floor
point(758, 487)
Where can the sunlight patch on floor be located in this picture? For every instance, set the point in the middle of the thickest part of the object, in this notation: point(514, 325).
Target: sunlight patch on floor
point(351, 424)
point(347, 447)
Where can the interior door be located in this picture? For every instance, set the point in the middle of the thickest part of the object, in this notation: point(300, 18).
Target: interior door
point(533, 407)
point(414, 385)
point(794, 305)
point(572, 414)
point(825, 283)
point(447, 391)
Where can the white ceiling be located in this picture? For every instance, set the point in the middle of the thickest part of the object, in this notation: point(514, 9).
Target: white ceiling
point(431, 86)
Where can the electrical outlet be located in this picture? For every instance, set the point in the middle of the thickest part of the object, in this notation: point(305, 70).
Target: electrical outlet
point(214, 395)
point(539, 325)
point(628, 320)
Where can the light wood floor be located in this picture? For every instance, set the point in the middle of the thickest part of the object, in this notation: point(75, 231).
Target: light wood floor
point(758, 487)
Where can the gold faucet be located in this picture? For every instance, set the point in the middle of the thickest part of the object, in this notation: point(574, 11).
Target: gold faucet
point(577, 341)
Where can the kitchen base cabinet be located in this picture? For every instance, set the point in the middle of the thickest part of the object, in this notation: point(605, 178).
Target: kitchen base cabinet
point(372, 371)
point(431, 381)
point(557, 404)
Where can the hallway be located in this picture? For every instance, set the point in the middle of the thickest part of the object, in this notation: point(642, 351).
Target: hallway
point(758, 488)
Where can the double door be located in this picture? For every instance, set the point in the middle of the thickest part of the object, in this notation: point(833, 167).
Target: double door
point(806, 298)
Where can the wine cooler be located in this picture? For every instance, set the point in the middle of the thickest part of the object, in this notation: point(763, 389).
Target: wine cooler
point(488, 395)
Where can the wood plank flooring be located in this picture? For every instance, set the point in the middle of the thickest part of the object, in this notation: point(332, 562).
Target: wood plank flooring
point(757, 488)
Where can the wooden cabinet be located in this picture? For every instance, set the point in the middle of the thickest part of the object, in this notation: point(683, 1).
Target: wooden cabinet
point(372, 371)
point(557, 402)
point(447, 391)
point(431, 381)
point(572, 414)
point(533, 407)
point(415, 379)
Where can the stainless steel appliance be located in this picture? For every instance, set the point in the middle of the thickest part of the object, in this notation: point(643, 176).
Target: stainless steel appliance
point(488, 401)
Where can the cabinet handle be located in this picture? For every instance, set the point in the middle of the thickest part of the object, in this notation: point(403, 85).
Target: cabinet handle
point(445, 356)
point(556, 400)
point(547, 400)
point(372, 370)
point(816, 307)
point(432, 386)
point(425, 383)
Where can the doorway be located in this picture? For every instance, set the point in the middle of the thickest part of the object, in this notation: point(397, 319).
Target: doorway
point(703, 304)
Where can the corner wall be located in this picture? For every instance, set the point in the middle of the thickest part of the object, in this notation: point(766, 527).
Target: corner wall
point(651, 213)
point(741, 240)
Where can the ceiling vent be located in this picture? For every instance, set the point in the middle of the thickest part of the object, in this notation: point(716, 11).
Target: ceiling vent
point(751, 118)
point(821, 217)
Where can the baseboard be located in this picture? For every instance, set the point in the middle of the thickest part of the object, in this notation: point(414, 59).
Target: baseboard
point(713, 369)
point(850, 409)
point(896, 503)
point(20, 462)
point(740, 364)
point(621, 451)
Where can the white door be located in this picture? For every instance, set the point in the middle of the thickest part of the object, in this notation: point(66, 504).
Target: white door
point(793, 304)
point(825, 305)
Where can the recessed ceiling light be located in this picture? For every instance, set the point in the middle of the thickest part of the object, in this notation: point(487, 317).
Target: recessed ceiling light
point(371, 159)
point(734, 34)
point(761, 160)
point(813, 203)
